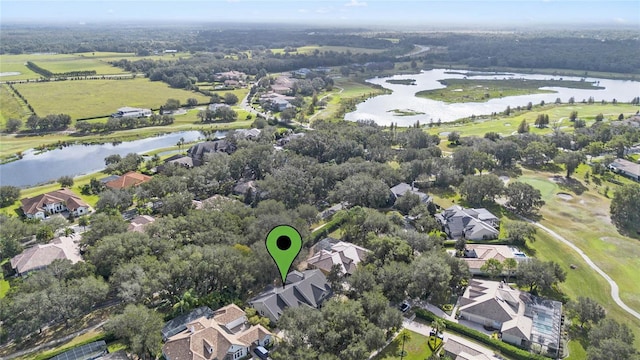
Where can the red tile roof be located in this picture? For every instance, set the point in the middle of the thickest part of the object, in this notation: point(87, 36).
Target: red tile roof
point(129, 179)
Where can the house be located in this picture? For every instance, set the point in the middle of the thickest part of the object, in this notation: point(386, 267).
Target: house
point(198, 151)
point(178, 159)
point(128, 180)
point(307, 288)
point(626, 168)
point(223, 335)
point(521, 318)
point(212, 203)
point(216, 106)
point(248, 134)
point(243, 187)
point(462, 349)
point(41, 255)
point(301, 73)
point(343, 254)
point(140, 222)
point(280, 104)
point(231, 83)
point(230, 75)
point(54, 202)
point(403, 188)
point(472, 224)
point(283, 85)
point(475, 255)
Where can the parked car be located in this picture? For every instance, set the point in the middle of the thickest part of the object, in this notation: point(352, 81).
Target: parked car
point(404, 307)
point(261, 352)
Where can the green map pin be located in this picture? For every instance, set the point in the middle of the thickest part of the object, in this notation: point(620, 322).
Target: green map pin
point(283, 244)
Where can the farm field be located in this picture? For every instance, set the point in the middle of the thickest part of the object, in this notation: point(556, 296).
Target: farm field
point(87, 98)
point(56, 63)
point(10, 106)
point(508, 125)
point(312, 48)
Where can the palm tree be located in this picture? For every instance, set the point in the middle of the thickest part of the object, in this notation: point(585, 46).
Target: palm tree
point(510, 265)
point(404, 335)
point(187, 301)
point(438, 325)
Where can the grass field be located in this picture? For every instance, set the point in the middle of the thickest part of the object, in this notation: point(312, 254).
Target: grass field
point(471, 90)
point(351, 89)
point(311, 48)
point(87, 98)
point(507, 125)
point(416, 347)
point(584, 220)
point(11, 107)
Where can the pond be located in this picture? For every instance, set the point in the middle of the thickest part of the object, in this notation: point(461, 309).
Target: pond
point(381, 108)
point(34, 168)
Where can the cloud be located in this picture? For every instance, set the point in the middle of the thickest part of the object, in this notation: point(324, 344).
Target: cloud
point(304, 11)
point(620, 20)
point(356, 3)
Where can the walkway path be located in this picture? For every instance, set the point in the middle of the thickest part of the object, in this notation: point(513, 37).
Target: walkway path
point(615, 292)
point(322, 98)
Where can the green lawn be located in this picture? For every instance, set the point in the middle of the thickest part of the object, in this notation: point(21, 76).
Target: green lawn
point(87, 98)
point(508, 125)
point(4, 284)
point(584, 221)
point(416, 347)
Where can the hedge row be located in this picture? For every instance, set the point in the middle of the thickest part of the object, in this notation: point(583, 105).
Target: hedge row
point(504, 348)
point(337, 220)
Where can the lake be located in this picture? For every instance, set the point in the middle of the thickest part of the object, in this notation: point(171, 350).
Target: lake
point(403, 97)
point(34, 169)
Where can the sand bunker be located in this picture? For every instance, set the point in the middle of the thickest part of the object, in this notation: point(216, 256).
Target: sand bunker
point(564, 196)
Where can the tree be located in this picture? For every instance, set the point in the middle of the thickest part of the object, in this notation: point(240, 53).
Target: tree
point(438, 325)
point(571, 160)
point(523, 198)
point(621, 117)
point(599, 117)
point(172, 104)
point(518, 232)
point(587, 310)
point(9, 247)
point(407, 202)
point(8, 195)
point(573, 116)
point(460, 244)
point(454, 137)
point(493, 267)
point(538, 275)
point(523, 127)
point(139, 328)
point(115, 199)
point(13, 125)
point(611, 340)
point(478, 189)
point(430, 278)
point(510, 265)
point(192, 101)
point(287, 114)
point(66, 181)
point(625, 208)
point(44, 234)
point(363, 190)
point(230, 98)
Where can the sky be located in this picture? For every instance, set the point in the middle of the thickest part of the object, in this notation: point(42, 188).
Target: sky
point(424, 13)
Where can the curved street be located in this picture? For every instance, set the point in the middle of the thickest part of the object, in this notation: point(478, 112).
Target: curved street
point(615, 291)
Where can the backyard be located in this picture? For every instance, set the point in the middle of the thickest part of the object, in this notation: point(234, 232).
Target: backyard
point(415, 345)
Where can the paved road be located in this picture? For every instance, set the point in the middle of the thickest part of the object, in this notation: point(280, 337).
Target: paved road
point(615, 291)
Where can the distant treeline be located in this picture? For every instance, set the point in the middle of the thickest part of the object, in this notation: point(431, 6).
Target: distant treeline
point(46, 73)
point(528, 51)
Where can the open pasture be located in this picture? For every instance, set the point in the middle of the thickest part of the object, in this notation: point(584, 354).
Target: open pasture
point(311, 48)
point(87, 98)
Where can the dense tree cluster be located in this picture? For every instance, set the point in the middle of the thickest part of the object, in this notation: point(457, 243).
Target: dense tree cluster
point(49, 122)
